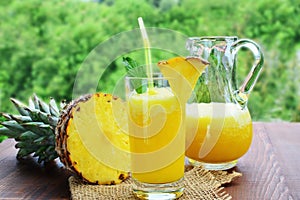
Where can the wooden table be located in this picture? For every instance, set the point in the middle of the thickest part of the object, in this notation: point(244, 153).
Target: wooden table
point(271, 169)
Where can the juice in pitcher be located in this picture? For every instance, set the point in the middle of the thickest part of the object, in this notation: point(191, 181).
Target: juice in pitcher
point(217, 134)
point(219, 126)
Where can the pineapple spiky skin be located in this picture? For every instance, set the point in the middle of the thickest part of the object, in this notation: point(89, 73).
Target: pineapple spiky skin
point(61, 131)
point(44, 131)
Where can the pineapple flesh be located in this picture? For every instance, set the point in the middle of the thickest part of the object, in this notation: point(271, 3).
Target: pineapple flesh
point(44, 132)
point(88, 135)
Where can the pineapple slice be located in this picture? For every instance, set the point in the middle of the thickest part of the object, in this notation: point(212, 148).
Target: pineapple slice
point(182, 74)
point(92, 139)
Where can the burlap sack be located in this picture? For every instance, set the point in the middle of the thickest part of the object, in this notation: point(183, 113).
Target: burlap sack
point(199, 184)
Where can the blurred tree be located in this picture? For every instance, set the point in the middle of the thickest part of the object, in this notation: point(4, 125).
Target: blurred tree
point(44, 43)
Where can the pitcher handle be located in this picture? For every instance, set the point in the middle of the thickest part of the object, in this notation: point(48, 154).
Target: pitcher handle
point(253, 75)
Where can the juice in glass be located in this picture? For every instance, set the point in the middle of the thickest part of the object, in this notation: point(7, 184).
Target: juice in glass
point(217, 134)
point(157, 142)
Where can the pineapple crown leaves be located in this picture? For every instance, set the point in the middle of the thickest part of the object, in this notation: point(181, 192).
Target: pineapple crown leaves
point(33, 128)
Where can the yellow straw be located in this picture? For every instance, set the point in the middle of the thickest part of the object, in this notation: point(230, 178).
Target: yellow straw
point(147, 51)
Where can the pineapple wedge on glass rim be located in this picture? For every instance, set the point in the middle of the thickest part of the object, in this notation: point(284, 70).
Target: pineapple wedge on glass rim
point(43, 131)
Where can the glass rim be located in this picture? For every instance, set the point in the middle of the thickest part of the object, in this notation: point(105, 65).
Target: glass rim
point(161, 77)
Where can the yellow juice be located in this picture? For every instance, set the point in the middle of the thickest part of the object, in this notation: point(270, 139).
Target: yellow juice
point(217, 132)
point(157, 136)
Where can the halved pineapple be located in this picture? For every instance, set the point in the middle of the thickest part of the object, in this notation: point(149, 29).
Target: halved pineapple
point(92, 140)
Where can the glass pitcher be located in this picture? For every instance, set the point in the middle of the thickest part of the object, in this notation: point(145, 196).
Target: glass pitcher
point(219, 125)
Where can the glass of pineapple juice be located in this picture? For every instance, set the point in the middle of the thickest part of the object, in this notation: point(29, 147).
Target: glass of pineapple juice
point(157, 138)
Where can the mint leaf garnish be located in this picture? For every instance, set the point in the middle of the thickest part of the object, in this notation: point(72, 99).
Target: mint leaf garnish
point(134, 70)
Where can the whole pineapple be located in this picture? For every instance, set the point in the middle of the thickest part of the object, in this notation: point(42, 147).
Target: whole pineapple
point(43, 131)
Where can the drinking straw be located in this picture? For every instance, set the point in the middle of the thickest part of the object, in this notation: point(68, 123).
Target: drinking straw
point(147, 51)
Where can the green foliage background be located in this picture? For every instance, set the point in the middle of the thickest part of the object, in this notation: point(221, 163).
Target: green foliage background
point(43, 43)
